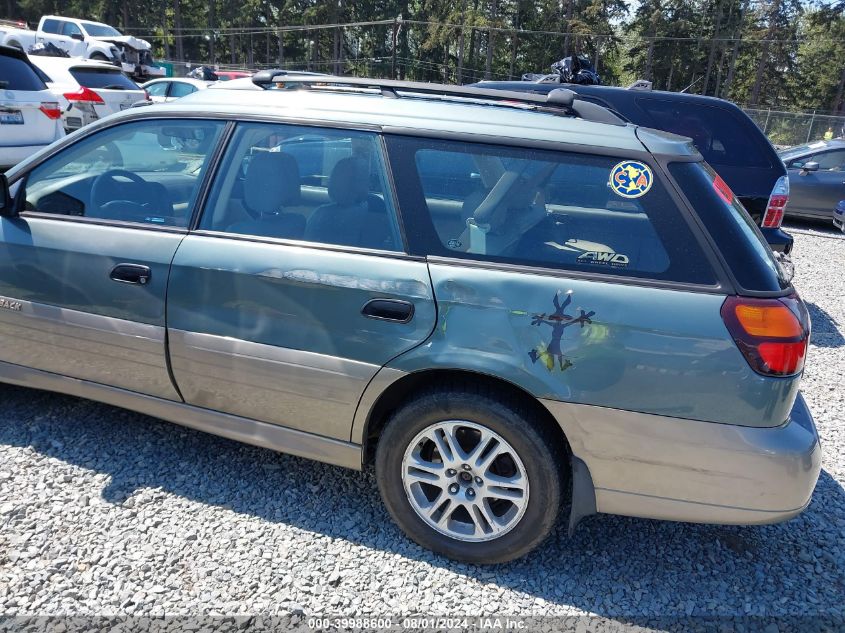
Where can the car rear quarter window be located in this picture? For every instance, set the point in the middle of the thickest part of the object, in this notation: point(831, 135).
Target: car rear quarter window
point(735, 233)
point(105, 78)
point(16, 74)
point(541, 208)
point(722, 136)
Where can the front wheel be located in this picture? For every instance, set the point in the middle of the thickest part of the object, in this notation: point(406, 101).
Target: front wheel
point(470, 475)
point(99, 57)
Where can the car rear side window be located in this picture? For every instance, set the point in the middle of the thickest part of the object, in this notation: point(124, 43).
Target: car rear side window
point(106, 78)
point(310, 184)
point(16, 74)
point(543, 208)
point(719, 134)
point(180, 89)
point(51, 26)
point(735, 233)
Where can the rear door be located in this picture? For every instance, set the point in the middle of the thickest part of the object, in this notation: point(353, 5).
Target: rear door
point(22, 93)
point(290, 297)
point(83, 275)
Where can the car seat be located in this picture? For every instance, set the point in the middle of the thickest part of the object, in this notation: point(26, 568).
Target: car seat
point(271, 183)
point(354, 217)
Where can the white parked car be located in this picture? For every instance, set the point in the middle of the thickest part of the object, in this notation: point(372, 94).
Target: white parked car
point(85, 39)
point(161, 90)
point(30, 114)
point(94, 89)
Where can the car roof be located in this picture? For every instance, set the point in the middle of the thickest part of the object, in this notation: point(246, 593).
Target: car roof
point(43, 61)
point(430, 114)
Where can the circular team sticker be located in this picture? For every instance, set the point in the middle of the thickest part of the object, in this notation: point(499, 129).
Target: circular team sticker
point(631, 179)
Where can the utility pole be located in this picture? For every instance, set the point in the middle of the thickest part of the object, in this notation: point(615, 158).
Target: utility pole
point(396, 25)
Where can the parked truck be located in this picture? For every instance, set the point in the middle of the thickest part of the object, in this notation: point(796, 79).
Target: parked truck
point(87, 40)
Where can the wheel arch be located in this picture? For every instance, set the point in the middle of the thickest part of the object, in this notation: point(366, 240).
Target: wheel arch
point(396, 387)
point(400, 386)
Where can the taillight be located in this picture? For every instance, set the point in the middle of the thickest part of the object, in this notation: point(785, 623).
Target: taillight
point(51, 109)
point(147, 96)
point(772, 334)
point(84, 94)
point(777, 204)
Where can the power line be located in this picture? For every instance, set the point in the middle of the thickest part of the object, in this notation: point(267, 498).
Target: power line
point(269, 30)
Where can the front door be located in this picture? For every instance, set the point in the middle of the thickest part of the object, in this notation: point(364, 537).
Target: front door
point(83, 272)
point(816, 193)
point(296, 288)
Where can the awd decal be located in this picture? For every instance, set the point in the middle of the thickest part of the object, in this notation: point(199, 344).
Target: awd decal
point(552, 353)
point(631, 179)
point(10, 304)
point(617, 260)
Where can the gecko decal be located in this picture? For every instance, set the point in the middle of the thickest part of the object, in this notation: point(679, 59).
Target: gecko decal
point(552, 353)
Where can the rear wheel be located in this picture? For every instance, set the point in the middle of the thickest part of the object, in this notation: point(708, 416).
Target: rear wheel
point(470, 475)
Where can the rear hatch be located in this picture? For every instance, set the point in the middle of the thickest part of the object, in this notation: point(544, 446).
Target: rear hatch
point(28, 110)
point(116, 91)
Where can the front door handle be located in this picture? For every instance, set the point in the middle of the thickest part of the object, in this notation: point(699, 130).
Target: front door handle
point(131, 274)
point(389, 310)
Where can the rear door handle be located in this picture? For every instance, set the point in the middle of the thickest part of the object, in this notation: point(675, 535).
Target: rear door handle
point(131, 274)
point(389, 310)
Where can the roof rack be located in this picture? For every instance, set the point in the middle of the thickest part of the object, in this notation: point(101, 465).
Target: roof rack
point(559, 102)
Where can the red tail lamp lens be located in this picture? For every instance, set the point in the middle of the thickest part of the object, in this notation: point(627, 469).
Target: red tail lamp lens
point(772, 334)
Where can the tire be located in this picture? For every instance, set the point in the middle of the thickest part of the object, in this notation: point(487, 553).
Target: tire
point(99, 57)
point(538, 452)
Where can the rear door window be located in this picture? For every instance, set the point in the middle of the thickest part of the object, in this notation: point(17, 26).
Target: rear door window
point(542, 208)
point(719, 134)
point(107, 78)
point(16, 74)
point(181, 89)
point(303, 183)
point(51, 26)
point(69, 29)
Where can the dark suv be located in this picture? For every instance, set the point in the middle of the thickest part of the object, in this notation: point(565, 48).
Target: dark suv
point(727, 139)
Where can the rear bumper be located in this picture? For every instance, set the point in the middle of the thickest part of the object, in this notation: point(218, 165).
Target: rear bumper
point(778, 239)
point(683, 470)
point(10, 156)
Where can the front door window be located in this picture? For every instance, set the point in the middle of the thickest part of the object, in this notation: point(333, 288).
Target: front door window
point(145, 171)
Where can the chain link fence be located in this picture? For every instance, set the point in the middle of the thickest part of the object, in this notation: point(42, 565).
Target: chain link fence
point(785, 129)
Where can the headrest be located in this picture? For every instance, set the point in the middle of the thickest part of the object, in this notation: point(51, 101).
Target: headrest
point(272, 181)
point(349, 182)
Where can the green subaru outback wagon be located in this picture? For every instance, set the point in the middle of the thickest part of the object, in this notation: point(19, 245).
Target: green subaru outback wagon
point(512, 306)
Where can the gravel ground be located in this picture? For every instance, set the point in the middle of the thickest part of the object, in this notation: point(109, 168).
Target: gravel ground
point(103, 511)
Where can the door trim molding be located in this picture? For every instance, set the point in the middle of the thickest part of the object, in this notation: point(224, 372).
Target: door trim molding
point(233, 427)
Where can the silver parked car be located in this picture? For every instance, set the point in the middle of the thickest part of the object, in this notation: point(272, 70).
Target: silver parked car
point(816, 178)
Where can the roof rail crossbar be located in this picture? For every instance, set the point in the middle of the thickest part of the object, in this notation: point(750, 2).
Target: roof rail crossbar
point(559, 101)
